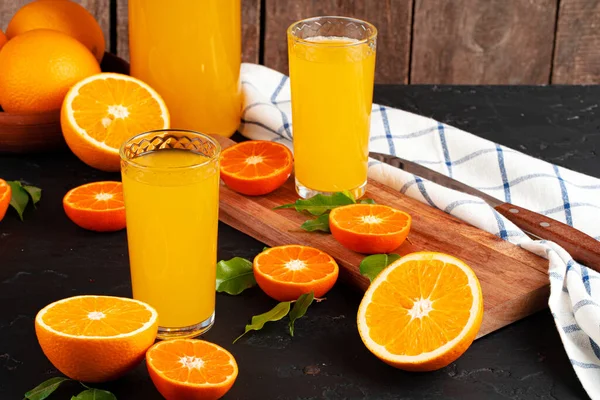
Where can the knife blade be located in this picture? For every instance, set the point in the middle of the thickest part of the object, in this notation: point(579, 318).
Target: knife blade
point(582, 247)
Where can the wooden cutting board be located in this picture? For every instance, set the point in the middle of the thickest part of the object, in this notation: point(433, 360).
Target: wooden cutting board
point(514, 281)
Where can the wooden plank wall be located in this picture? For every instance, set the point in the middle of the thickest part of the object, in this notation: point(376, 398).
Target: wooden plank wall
point(421, 41)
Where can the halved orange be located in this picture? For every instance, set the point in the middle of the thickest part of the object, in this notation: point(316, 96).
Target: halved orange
point(101, 112)
point(256, 167)
point(96, 206)
point(191, 369)
point(5, 196)
point(422, 312)
point(96, 338)
point(369, 228)
point(286, 272)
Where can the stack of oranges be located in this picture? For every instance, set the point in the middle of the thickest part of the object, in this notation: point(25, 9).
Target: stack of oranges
point(50, 62)
point(49, 46)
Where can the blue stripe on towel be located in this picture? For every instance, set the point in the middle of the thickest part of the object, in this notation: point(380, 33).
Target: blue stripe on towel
point(388, 133)
point(565, 196)
point(445, 148)
point(502, 167)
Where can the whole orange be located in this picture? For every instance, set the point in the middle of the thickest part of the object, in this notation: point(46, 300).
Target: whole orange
point(60, 15)
point(3, 39)
point(38, 68)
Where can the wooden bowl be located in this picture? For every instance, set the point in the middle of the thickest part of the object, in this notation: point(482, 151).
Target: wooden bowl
point(32, 133)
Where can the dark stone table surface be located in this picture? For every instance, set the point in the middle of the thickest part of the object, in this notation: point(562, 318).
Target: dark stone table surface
point(47, 258)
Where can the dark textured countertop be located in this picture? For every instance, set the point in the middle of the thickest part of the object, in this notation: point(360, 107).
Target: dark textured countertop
point(47, 258)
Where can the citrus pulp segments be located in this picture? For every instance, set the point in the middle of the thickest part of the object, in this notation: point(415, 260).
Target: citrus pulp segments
point(97, 206)
point(369, 228)
point(39, 319)
point(93, 357)
point(101, 112)
point(256, 167)
point(428, 360)
point(286, 272)
point(190, 368)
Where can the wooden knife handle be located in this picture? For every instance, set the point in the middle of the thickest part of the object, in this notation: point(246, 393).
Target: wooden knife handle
point(583, 248)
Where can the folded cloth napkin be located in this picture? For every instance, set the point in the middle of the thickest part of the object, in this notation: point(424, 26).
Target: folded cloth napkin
point(506, 174)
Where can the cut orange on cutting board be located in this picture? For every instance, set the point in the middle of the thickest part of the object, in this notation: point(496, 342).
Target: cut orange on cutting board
point(256, 167)
point(96, 338)
point(422, 312)
point(101, 112)
point(369, 228)
point(96, 206)
point(5, 196)
point(184, 369)
point(286, 272)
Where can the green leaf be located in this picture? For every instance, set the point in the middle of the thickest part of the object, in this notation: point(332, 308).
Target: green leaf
point(321, 204)
point(34, 192)
point(20, 197)
point(349, 195)
point(234, 276)
point(45, 389)
point(94, 394)
point(266, 248)
point(371, 266)
point(319, 224)
point(367, 201)
point(299, 309)
point(275, 314)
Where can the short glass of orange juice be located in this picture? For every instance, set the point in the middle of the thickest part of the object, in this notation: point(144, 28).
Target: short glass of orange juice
point(171, 192)
point(332, 67)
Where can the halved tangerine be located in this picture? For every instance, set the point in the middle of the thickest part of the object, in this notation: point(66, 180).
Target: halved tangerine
point(256, 167)
point(286, 272)
point(191, 369)
point(369, 228)
point(96, 206)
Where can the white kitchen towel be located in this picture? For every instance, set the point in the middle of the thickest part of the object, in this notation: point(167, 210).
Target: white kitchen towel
point(504, 173)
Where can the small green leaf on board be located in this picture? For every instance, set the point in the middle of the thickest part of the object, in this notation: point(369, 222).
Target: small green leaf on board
point(321, 204)
point(372, 265)
point(319, 224)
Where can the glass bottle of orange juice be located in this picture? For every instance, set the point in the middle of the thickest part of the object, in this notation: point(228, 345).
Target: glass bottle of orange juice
point(190, 52)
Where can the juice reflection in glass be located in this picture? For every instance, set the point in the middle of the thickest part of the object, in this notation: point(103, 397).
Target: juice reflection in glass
point(171, 191)
point(190, 52)
point(332, 66)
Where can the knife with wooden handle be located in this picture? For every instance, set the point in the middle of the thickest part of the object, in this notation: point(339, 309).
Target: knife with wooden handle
point(583, 248)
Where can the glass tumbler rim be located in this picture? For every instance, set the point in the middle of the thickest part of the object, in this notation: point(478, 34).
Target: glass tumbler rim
point(210, 159)
point(372, 36)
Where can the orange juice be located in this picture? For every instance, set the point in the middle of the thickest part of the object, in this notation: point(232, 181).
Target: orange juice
point(171, 201)
point(332, 90)
point(190, 52)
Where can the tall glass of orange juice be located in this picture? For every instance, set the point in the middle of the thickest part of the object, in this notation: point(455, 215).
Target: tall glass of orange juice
point(171, 191)
point(332, 67)
point(190, 52)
